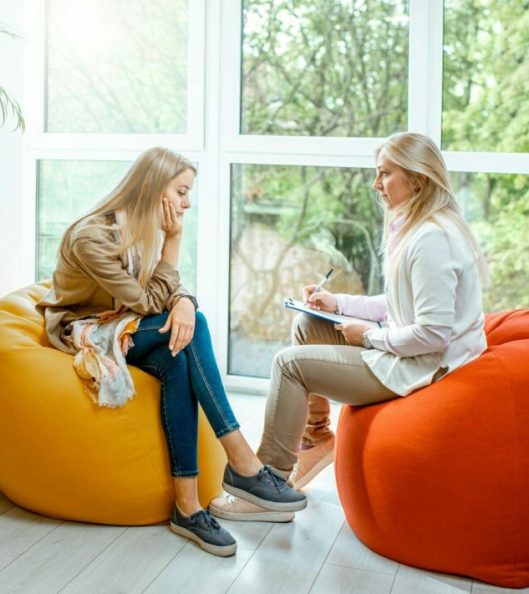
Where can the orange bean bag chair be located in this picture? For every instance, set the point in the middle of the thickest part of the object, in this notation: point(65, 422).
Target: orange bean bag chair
point(63, 456)
point(440, 479)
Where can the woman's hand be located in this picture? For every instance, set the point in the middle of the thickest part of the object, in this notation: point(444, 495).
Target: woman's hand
point(353, 333)
point(171, 223)
point(323, 299)
point(181, 322)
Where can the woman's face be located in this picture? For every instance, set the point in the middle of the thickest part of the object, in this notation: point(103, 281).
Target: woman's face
point(178, 190)
point(392, 183)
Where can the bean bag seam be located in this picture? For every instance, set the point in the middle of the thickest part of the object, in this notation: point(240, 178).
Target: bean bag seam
point(516, 457)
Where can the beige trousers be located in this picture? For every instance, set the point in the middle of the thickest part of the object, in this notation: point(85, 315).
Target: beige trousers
point(319, 366)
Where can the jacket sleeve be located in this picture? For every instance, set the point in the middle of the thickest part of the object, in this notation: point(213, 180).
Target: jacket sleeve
point(91, 254)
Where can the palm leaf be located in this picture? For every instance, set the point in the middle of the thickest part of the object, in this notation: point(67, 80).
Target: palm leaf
point(10, 107)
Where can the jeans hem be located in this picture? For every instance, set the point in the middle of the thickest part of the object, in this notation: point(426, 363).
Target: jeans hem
point(184, 473)
point(226, 430)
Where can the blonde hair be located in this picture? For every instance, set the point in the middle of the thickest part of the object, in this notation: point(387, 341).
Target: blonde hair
point(138, 195)
point(424, 166)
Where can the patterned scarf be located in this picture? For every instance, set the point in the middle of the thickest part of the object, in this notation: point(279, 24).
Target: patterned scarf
point(102, 342)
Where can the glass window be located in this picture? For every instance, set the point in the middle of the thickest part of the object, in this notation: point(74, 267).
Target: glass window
point(290, 225)
point(497, 207)
point(324, 67)
point(117, 66)
point(67, 189)
point(485, 82)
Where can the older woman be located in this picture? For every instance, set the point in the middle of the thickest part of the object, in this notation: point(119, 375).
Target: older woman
point(431, 309)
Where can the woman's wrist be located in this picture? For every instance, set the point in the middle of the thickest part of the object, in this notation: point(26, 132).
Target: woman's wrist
point(171, 249)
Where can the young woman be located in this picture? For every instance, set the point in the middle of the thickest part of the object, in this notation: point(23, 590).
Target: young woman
point(117, 299)
point(431, 313)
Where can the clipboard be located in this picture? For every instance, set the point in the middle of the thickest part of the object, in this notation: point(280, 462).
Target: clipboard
point(295, 305)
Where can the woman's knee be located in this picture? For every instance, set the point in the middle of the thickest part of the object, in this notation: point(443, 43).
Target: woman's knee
point(200, 321)
point(284, 358)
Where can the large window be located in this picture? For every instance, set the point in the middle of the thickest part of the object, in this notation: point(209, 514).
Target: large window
point(280, 104)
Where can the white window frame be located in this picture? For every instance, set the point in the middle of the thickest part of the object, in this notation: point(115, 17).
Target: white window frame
point(214, 141)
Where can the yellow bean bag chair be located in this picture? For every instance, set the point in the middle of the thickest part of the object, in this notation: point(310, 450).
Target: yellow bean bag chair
point(64, 457)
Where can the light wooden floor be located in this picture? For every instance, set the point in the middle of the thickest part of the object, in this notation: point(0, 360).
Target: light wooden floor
point(316, 553)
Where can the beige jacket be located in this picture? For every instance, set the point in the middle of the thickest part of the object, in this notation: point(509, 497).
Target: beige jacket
point(87, 280)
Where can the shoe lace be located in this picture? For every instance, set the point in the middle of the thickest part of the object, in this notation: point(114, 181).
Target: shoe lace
point(268, 475)
point(208, 521)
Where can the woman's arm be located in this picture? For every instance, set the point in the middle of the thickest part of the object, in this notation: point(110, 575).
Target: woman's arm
point(362, 306)
point(410, 341)
point(90, 253)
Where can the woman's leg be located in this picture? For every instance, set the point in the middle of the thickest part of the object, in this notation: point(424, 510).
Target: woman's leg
point(245, 472)
point(311, 330)
point(190, 376)
point(337, 372)
point(179, 413)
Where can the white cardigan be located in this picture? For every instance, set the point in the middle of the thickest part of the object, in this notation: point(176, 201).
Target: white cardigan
point(434, 281)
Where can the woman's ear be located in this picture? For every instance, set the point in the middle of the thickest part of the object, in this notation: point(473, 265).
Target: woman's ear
point(419, 182)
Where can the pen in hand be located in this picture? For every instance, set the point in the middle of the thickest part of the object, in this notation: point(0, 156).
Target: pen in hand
point(322, 282)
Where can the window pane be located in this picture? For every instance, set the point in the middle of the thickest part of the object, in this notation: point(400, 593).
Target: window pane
point(486, 79)
point(324, 67)
point(497, 206)
point(290, 225)
point(67, 189)
point(117, 66)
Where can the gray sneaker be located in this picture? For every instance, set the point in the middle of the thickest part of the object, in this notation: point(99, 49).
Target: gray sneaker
point(265, 489)
point(202, 528)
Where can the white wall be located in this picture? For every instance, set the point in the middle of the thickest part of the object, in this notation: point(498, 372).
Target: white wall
point(11, 79)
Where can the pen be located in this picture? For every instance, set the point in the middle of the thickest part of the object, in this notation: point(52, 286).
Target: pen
point(322, 282)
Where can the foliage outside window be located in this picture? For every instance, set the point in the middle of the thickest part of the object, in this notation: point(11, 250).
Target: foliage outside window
point(324, 67)
point(289, 226)
point(486, 76)
point(497, 207)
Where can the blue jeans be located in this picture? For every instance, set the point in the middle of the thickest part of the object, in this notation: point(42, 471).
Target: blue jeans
point(190, 378)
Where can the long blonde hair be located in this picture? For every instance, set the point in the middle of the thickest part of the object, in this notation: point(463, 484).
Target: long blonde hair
point(138, 195)
point(424, 166)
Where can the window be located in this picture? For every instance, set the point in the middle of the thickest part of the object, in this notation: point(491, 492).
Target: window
point(299, 93)
point(67, 189)
point(485, 76)
point(117, 66)
point(290, 225)
point(497, 207)
point(324, 67)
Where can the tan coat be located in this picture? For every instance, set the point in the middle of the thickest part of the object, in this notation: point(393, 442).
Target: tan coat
point(87, 280)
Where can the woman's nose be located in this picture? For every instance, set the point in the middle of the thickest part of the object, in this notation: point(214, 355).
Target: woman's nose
point(376, 183)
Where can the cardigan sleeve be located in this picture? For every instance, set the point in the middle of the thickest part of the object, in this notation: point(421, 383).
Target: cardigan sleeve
point(91, 255)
